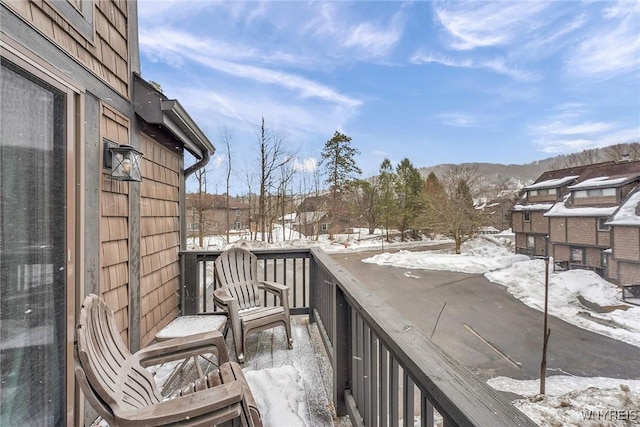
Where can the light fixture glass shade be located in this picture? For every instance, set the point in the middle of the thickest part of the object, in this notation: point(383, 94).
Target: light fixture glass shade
point(125, 163)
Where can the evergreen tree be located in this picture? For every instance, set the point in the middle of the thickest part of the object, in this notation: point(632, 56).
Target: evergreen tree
point(408, 188)
point(387, 199)
point(338, 160)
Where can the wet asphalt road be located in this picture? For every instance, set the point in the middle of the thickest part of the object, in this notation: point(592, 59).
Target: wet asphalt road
point(487, 329)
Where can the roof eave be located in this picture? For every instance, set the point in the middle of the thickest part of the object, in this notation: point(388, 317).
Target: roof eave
point(154, 108)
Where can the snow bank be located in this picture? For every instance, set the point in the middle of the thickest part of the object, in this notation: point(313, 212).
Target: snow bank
point(576, 401)
point(478, 256)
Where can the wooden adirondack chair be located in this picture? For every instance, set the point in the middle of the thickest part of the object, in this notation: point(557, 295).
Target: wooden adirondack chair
point(239, 295)
point(124, 393)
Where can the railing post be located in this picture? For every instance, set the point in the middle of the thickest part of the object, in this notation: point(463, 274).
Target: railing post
point(189, 288)
point(341, 351)
point(313, 287)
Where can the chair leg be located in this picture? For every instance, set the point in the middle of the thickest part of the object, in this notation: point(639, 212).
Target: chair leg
point(287, 328)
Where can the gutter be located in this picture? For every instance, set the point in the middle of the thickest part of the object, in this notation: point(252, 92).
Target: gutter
point(197, 165)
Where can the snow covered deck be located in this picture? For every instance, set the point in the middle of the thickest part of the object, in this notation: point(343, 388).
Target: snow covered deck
point(291, 387)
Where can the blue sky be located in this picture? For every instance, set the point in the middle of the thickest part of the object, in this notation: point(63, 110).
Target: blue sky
point(437, 82)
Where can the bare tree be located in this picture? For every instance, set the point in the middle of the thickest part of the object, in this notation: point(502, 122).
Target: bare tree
point(452, 210)
point(273, 156)
point(622, 152)
point(202, 203)
point(226, 137)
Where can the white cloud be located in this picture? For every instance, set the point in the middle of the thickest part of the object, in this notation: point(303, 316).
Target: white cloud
point(456, 119)
point(374, 40)
point(305, 165)
point(497, 65)
point(568, 137)
point(561, 128)
point(612, 48)
point(203, 51)
point(472, 24)
point(343, 34)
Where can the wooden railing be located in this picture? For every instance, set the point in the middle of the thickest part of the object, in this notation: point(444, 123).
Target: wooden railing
point(386, 372)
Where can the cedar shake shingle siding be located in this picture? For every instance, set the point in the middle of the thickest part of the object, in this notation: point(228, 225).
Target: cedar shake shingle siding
point(160, 238)
point(104, 51)
point(114, 226)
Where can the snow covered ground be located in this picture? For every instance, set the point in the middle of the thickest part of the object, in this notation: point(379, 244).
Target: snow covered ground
point(578, 297)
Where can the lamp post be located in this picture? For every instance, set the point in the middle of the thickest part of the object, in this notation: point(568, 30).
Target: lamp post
point(547, 332)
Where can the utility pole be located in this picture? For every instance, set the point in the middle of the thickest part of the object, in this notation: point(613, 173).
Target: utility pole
point(547, 332)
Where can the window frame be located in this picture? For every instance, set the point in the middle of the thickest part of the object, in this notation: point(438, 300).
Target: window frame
point(573, 250)
point(74, 109)
point(531, 241)
point(526, 216)
point(600, 226)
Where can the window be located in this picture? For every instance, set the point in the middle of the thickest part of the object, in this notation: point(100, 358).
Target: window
point(238, 212)
point(237, 226)
point(595, 192)
point(531, 241)
point(527, 216)
point(577, 256)
point(324, 226)
point(542, 192)
point(602, 224)
point(34, 227)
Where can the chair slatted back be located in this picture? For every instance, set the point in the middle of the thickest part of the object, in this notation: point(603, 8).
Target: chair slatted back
point(237, 271)
point(111, 370)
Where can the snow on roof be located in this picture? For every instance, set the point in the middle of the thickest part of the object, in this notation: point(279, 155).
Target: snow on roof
point(309, 217)
point(551, 183)
point(626, 215)
point(559, 209)
point(533, 207)
point(601, 181)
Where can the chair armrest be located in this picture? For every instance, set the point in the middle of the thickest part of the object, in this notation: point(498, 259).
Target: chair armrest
point(221, 297)
point(273, 287)
point(183, 408)
point(184, 347)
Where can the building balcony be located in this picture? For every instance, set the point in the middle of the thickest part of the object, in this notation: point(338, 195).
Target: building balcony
point(374, 365)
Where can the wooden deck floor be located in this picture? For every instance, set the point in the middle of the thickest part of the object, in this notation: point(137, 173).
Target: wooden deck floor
point(267, 350)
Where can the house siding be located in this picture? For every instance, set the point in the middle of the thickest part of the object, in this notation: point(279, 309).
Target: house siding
point(629, 273)
point(114, 227)
point(595, 201)
point(593, 257)
point(159, 238)
point(581, 231)
point(517, 222)
point(561, 253)
point(539, 224)
point(557, 230)
point(105, 54)
point(627, 243)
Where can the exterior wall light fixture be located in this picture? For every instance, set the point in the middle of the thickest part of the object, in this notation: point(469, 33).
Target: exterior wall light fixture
point(123, 160)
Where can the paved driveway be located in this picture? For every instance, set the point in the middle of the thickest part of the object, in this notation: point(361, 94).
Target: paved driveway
point(487, 329)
